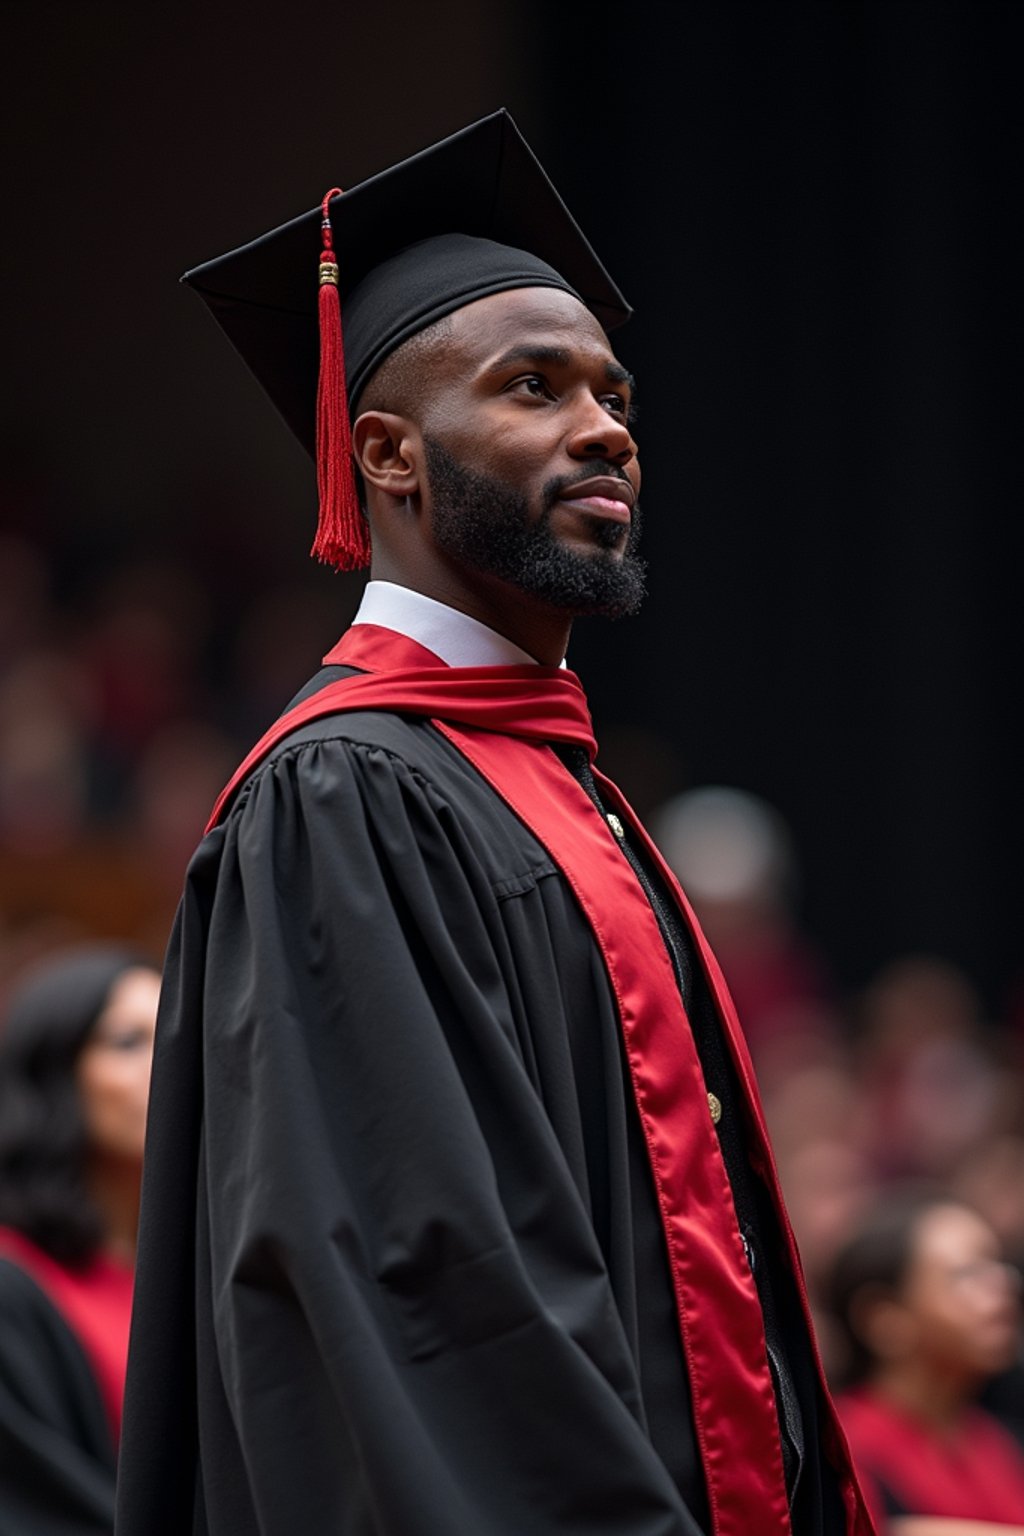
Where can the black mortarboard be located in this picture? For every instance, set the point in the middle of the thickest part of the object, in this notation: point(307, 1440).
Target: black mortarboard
point(472, 215)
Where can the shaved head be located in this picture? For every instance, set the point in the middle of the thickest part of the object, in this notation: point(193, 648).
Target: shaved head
point(402, 379)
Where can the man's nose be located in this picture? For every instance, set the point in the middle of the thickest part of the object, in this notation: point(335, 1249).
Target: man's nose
point(597, 435)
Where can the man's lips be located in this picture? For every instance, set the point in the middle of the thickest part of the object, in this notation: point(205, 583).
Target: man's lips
point(601, 497)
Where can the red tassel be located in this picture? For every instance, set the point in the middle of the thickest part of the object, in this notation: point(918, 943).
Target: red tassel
point(342, 537)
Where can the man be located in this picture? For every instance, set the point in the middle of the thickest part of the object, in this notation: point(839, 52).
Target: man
point(459, 1212)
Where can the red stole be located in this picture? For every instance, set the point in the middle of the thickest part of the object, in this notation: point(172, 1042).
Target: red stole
point(503, 719)
point(96, 1304)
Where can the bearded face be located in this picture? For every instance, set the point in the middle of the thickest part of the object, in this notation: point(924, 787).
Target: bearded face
point(489, 527)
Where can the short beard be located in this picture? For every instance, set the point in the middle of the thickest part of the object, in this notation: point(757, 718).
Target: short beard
point(486, 526)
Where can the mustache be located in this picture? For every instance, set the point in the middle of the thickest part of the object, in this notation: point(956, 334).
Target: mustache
point(553, 490)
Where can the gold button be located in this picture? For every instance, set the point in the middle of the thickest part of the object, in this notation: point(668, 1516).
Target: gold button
point(715, 1106)
point(616, 826)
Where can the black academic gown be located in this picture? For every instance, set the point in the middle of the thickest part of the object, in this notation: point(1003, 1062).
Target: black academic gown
point(57, 1454)
point(400, 1264)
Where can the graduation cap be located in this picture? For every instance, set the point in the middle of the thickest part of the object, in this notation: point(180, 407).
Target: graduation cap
point(472, 215)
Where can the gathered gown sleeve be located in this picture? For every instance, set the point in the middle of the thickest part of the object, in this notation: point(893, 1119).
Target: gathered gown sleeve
point(401, 1316)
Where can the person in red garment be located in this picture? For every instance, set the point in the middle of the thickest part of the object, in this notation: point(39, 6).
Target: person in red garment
point(930, 1311)
point(459, 1214)
point(76, 1048)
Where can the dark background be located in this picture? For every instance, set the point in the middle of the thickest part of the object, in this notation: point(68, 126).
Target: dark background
point(813, 207)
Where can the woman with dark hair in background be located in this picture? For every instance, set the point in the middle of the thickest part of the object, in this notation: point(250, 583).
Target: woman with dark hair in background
point(75, 1055)
point(930, 1312)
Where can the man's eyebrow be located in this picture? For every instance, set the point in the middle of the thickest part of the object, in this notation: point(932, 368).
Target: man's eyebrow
point(616, 374)
point(558, 357)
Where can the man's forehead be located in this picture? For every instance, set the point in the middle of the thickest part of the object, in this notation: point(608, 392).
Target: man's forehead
point(524, 318)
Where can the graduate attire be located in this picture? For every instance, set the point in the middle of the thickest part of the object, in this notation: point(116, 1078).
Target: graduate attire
point(63, 1348)
point(458, 1211)
point(434, 1287)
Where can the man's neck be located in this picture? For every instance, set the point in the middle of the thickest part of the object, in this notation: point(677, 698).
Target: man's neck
point(460, 638)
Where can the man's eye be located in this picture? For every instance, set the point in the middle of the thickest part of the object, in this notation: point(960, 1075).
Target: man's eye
point(532, 383)
point(616, 405)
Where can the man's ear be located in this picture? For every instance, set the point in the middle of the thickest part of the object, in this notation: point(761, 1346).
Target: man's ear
point(387, 449)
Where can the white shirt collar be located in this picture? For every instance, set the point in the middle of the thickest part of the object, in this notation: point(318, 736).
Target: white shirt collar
point(455, 637)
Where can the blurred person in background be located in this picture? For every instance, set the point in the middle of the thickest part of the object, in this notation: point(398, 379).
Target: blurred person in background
point(733, 855)
point(930, 1311)
point(815, 1117)
point(991, 1180)
point(934, 1087)
point(75, 1055)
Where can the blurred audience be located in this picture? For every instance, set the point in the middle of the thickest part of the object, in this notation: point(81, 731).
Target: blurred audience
point(25, 597)
point(111, 751)
point(734, 856)
point(907, 1081)
point(816, 1121)
point(929, 1311)
point(930, 1071)
point(76, 1049)
point(45, 717)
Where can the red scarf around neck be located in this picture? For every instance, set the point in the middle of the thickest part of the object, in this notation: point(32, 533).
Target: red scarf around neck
point(539, 704)
point(503, 720)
